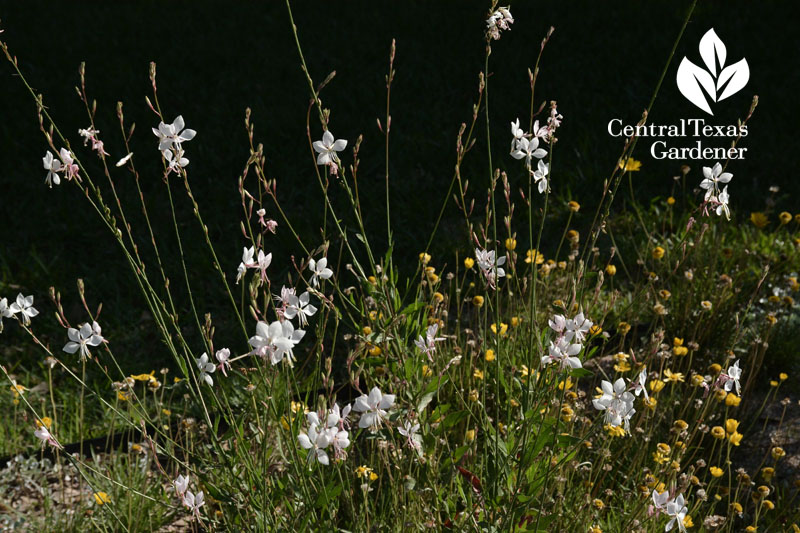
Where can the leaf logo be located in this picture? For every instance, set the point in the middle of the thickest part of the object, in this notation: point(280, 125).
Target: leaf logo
point(698, 84)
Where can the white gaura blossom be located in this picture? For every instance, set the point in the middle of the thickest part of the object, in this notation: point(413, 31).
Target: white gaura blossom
point(660, 500)
point(206, 368)
point(223, 356)
point(53, 167)
point(81, 339)
point(315, 439)
point(528, 149)
point(677, 510)
point(172, 135)
point(194, 502)
point(319, 270)
point(428, 344)
point(731, 378)
point(276, 340)
point(24, 306)
point(712, 177)
point(181, 484)
point(248, 260)
point(5, 312)
point(540, 176)
point(563, 353)
point(43, 434)
point(617, 402)
point(490, 265)
point(497, 21)
point(639, 384)
point(327, 148)
point(124, 160)
point(413, 439)
point(723, 200)
point(299, 306)
point(373, 407)
point(175, 161)
point(70, 168)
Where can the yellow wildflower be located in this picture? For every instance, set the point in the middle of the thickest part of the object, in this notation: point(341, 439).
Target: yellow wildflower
point(489, 355)
point(716, 471)
point(631, 165)
point(611, 270)
point(674, 377)
point(469, 262)
point(759, 220)
point(511, 243)
point(532, 256)
point(101, 498)
point(785, 218)
point(658, 252)
point(477, 300)
point(573, 206)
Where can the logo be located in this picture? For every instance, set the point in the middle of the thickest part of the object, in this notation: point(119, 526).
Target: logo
point(717, 83)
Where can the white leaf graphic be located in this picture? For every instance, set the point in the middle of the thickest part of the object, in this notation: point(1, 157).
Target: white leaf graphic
point(712, 47)
point(690, 80)
point(738, 74)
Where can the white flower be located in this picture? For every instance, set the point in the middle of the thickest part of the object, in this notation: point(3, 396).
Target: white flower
point(172, 135)
point(563, 353)
point(428, 344)
point(558, 323)
point(527, 149)
point(540, 176)
point(638, 385)
point(712, 178)
point(299, 306)
point(660, 499)
point(175, 161)
point(319, 270)
point(247, 262)
point(373, 407)
point(579, 326)
point(45, 436)
point(276, 340)
point(69, 163)
point(722, 199)
point(53, 167)
point(24, 306)
point(82, 339)
point(497, 21)
point(490, 266)
point(223, 357)
point(206, 368)
point(516, 131)
point(193, 502)
point(315, 440)
point(616, 402)
point(5, 312)
point(181, 484)
point(409, 431)
point(732, 377)
point(263, 263)
point(677, 510)
point(327, 148)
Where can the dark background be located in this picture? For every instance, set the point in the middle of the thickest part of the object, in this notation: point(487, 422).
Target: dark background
point(217, 58)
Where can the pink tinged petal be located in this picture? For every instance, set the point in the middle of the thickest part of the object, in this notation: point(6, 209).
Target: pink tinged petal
point(188, 135)
point(324, 158)
point(71, 347)
point(178, 123)
point(319, 147)
point(327, 139)
point(73, 335)
point(340, 145)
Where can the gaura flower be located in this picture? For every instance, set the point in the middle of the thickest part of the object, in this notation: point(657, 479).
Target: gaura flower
point(81, 340)
point(206, 368)
point(172, 135)
point(53, 167)
point(24, 306)
point(276, 340)
point(327, 148)
point(319, 270)
point(528, 149)
point(373, 407)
